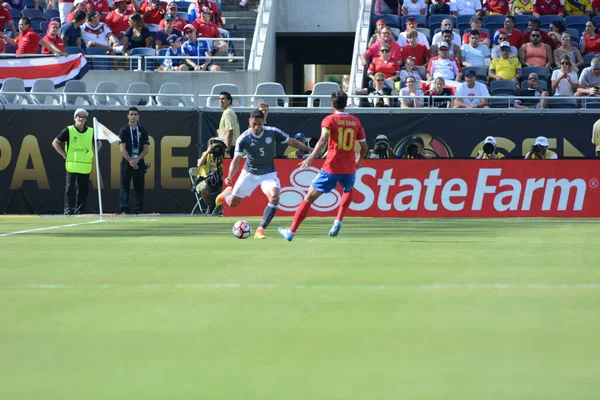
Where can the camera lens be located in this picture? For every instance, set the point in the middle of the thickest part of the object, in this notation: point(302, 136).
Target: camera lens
point(488, 148)
point(412, 150)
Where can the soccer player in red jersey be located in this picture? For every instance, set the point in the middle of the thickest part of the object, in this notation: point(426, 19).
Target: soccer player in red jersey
point(339, 131)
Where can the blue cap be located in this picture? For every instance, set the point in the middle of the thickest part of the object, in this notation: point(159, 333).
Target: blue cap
point(300, 136)
point(174, 38)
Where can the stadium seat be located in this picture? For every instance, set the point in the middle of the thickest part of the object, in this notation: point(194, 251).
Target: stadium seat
point(541, 72)
point(481, 30)
point(44, 26)
point(558, 102)
point(183, 5)
point(322, 92)
point(10, 49)
point(596, 20)
point(138, 94)
point(271, 88)
point(74, 50)
point(494, 19)
point(435, 21)
point(16, 14)
point(230, 88)
point(183, 14)
point(75, 86)
point(575, 34)
point(200, 205)
point(175, 99)
point(480, 72)
point(523, 19)
point(101, 64)
point(17, 86)
point(51, 13)
point(421, 21)
point(105, 94)
point(543, 85)
point(493, 27)
point(464, 19)
point(422, 70)
point(391, 20)
point(546, 20)
point(521, 27)
point(576, 20)
point(426, 32)
point(32, 13)
point(44, 86)
point(146, 65)
point(503, 88)
point(501, 103)
point(587, 59)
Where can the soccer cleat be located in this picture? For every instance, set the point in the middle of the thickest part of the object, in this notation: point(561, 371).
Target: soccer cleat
point(335, 229)
point(220, 200)
point(287, 235)
point(260, 233)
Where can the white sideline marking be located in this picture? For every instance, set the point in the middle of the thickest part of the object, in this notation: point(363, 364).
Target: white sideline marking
point(259, 286)
point(47, 228)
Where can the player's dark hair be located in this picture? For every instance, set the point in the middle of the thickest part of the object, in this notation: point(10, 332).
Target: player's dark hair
point(227, 96)
point(26, 20)
point(133, 109)
point(80, 16)
point(339, 98)
point(257, 114)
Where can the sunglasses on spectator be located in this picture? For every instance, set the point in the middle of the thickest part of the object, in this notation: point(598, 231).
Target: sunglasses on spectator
point(533, 79)
point(504, 39)
point(173, 9)
point(565, 63)
point(536, 35)
point(411, 81)
point(596, 69)
point(380, 80)
point(188, 31)
point(384, 50)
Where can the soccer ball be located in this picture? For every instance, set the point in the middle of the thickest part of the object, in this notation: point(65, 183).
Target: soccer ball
point(242, 229)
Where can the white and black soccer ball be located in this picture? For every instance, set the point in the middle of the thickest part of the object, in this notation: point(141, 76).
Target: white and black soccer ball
point(242, 229)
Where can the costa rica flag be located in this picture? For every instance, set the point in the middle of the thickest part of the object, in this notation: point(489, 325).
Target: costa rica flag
point(58, 69)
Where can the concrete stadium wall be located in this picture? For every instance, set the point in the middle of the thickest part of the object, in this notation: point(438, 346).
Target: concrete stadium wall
point(316, 16)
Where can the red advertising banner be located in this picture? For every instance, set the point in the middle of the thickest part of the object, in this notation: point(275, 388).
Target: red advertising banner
point(440, 188)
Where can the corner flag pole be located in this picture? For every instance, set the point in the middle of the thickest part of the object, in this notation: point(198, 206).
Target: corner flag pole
point(99, 182)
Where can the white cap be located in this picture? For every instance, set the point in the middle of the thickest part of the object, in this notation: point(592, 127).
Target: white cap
point(443, 44)
point(541, 140)
point(80, 111)
point(76, 2)
point(505, 44)
point(490, 139)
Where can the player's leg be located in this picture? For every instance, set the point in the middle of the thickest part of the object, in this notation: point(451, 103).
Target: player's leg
point(347, 182)
point(271, 187)
point(244, 186)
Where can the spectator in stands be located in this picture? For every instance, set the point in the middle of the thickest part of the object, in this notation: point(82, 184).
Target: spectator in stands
point(505, 67)
point(589, 80)
point(388, 7)
point(379, 93)
point(453, 51)
point(467, 92)
point(564, 80)
point(6, 21)
point(590, 40)
point(515, 36)
point(382, 148)
point(475, 54)
point(548, 7)
point(297, 153)
point(118, 19)
point(101, 6)
point(28, 40)
point(566, 49)
point(201, 50)
point(522, 7)
point(137, 35)
point(386, 38)
point(536, 53)
point(414, 7)
point(446, 24)
point(539, 150)
point(467, 7)
point(534, 91)
point(207, 29)
point(409, 70)
point(596, 7)
point(379, 25)
point(476, 24)
point(438, 90)
point(70, 33)
point(174, 50)
point(152, 11)
point(440, 7)
point(495, 7)
point(596, 137)
point(442, 65)
point(534, 25)
point(411, 96)
point(385, 64)
point(178, 23)
point(555, 31)
point(503, 37)
point(64, 8)
point(417, 51)
point(411, 26)
point(160, 41)
point(489, 151)
point(53, 37)
point(97, 34)
point(578, 7)
point(78, 5)
point(195, 9)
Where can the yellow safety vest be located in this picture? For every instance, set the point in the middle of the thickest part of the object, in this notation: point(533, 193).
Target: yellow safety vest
point(547, 156)
point(80, 151)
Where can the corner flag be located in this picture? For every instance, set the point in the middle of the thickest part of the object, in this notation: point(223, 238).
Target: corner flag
point(103, 133)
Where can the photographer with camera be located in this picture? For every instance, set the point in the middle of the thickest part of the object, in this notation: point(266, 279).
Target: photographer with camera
point(539, 150)
point(415, 149)
point(382, 148)
point(210, 174)
point(489, 151)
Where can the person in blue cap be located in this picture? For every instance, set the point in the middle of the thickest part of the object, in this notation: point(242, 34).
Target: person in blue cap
point(299, 153)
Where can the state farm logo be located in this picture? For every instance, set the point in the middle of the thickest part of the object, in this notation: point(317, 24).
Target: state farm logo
point(300, 179)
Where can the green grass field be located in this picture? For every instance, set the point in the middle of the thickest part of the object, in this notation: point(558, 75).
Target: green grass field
point(177, 308)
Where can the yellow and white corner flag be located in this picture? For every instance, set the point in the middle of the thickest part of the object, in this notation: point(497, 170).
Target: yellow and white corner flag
point(103, 133)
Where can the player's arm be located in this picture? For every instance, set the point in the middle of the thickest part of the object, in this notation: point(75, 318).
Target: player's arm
point(298, 145)
point(363, 152)
point(320, 146)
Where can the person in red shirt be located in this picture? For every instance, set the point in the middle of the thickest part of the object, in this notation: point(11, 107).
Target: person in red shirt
point(590, 41)
point(7, 19)
point(78, 5)
point(153, 11)
point(101, 6)
point(548, 7)
point(339, 132)
point(27, 41)
point(496, 7)
point(386, 38)
point(476, 25)
point(178, 23)
point(53, 37)
point(534, 25)
point(417, 51)
point(515, 36)
point(118, 19)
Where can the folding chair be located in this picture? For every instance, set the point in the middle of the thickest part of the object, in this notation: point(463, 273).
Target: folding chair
point(200, 204)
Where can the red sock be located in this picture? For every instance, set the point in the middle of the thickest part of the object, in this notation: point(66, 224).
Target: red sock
point(346, 200)
point(301, 213)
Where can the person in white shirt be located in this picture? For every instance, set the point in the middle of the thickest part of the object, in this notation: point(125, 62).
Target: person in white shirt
point(445, 67)
point(97, 34)
point(414, 7)
point(446, 24)
point(465, 95)
point(466, 7)
point(475, 54)
point(411, 25)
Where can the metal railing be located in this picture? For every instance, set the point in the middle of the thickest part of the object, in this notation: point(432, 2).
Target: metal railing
point(361, 39)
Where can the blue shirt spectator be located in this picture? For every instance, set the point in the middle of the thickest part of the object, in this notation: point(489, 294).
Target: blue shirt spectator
point(137, 41)
point(197, 50)
point(70, 34)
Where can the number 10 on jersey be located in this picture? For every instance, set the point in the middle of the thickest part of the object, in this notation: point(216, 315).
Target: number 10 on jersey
point(345, 139)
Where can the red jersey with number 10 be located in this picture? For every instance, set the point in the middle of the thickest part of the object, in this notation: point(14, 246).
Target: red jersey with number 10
point(344, 130)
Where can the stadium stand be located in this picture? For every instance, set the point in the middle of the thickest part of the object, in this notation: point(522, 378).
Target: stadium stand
point(138, 94)
point(322, 93)
point(73, 91)
point(170, 95)
point(212, 100)
point(271, 88)
point(41, 92)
